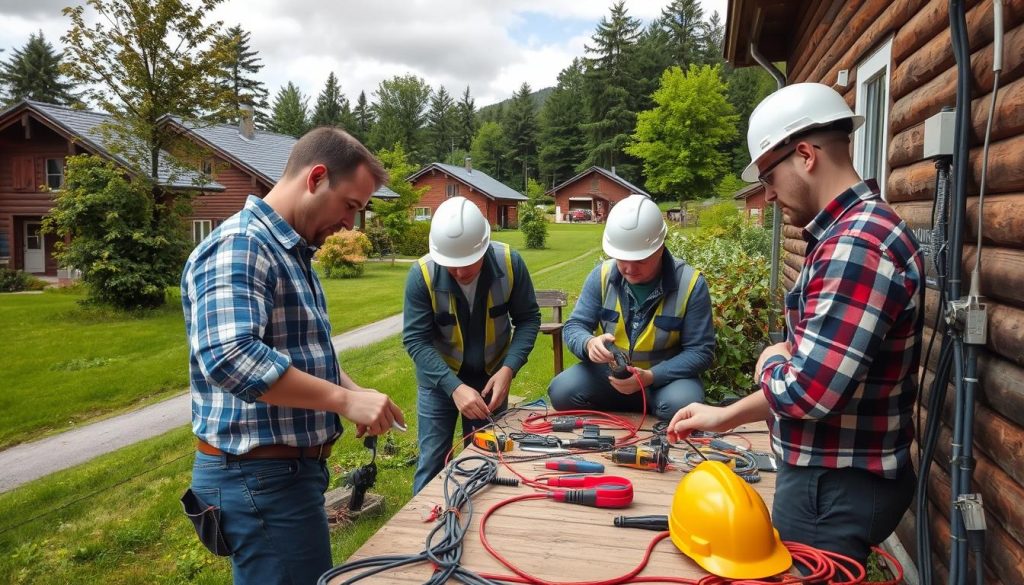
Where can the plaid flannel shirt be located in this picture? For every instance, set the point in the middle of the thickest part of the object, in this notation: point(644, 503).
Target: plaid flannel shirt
point(253, 307)
point(854, 322)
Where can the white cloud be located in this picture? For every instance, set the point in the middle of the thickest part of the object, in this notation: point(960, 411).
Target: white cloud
point(491, 46)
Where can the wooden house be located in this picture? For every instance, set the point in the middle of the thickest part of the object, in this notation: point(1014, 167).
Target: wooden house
point(892, 61)
point(752, 197)
point(593, 191)
point(496, 200)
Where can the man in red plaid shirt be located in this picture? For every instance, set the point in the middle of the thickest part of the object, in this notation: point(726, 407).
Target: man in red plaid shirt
point(840, 390)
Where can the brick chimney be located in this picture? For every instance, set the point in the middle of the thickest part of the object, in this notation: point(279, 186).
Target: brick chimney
point(469, 164)
point(246, 125)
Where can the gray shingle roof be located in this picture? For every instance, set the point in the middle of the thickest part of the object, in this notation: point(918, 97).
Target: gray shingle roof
point(612, 176)
point(385, 193)
point(84, 127)
point(265, 155)
point(477, 179)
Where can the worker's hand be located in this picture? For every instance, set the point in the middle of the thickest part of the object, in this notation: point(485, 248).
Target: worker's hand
point(596, 350)
point(781, 348)
point(697, 417)
point(630, 385)
point(469, 402)
point(497, 388)
point(372, 412)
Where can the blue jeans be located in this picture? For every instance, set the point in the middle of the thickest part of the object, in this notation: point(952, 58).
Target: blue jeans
point(586, 386)
point(272, 515)
point(844, 510)
point(437, 414)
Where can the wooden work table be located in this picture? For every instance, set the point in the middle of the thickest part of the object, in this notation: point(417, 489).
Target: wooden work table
point(548, 539)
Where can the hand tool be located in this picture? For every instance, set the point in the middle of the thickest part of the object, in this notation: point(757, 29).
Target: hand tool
point(657, 522)
point(397, 426)
point(593, 443)
point(574, 465)
point(598, 491)
point(641, 457)
point(491, 441)
point(564, 424)
point(621, 363)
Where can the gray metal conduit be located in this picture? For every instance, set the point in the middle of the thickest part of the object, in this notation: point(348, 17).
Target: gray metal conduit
point(773, 282)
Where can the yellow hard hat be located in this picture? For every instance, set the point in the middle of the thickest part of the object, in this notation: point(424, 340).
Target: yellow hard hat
point(721, 523)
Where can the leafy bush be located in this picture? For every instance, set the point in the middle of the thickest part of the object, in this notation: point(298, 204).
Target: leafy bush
point(343, 254)
point(533, 225)
point(414, 241)
point(381, 242)
point(718, 215)
point(16, 280)
point(127, 236)
point(737, 272)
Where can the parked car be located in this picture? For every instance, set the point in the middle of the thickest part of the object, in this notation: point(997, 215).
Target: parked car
point(580, 215)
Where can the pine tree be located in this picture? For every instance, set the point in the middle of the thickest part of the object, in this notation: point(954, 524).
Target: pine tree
point(441, 125)
point(467, 124)
point(563, 143)
point(290, 108)
point(237, 76)
point(33, 73)
point(611, 90)
point(521, 129)
point(362, 119)
point(332, 108)
point(684, 22)
point(714, 41)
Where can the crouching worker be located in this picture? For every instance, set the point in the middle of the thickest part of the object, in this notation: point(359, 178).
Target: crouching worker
point(653, 307)
point(471, 319)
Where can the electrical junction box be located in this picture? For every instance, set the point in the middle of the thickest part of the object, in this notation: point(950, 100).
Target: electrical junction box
point(938, 133)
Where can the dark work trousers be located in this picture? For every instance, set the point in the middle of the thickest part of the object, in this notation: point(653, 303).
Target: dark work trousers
point(840, 510)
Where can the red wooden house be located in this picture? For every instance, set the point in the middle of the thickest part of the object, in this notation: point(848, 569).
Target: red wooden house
point(753, 202)
point(496, 200)
point(589, 195)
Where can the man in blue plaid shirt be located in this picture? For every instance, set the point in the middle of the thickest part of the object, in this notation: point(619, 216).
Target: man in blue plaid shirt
point(840, 390)
point(267, 389)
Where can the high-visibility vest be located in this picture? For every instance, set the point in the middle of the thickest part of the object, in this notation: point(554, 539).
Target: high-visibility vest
point(498, 327)
point(660, 340)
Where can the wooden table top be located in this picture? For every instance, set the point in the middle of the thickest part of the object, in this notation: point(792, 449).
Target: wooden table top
point(548, 539)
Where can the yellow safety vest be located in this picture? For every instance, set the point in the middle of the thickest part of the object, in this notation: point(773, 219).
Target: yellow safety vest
point(498, 327)
point(660, 340)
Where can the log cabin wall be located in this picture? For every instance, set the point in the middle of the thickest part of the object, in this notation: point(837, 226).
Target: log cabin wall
point(833, 35)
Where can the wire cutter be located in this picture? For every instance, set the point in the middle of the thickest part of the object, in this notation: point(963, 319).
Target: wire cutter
point(598, 491)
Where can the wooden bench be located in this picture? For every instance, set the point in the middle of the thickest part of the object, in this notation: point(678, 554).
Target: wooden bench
point(555, 300)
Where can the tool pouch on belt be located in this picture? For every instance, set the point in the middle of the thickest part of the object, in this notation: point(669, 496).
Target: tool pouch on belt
point(206, 520)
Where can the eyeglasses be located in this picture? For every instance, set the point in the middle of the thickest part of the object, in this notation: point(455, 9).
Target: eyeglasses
point(765, 177)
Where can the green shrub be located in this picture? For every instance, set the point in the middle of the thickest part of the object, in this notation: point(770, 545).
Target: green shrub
point(13, 280)
point(343, 254)
point(737, 274)
point(414, 241)
point(533, 225)
point(718, 215)
point(381, 242)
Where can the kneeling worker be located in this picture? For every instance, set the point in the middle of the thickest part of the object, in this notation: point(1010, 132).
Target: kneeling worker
point(652, 306)
point(470, 321)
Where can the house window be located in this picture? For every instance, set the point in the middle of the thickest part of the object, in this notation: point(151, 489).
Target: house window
point(452, 190)
point(207, 167)
point(200, 229)
point(870, 142)
point(55, 173)
point(422, 214)
point(594, 184)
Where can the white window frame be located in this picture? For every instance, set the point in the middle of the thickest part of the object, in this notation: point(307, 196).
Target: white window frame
point(878, 65)
point(205, 226)
point(418, 216)
point(46, 169)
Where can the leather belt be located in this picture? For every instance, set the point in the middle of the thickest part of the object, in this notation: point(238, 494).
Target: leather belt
point(321, 452)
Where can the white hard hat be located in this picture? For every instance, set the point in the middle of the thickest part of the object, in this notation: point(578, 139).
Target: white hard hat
point(791, 110)
point(459, 234)
point(635, 229)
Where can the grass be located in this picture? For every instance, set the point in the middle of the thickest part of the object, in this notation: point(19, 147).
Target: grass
point(117, 520)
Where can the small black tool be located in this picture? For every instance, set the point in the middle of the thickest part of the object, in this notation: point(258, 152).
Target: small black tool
point(619, 367)
point(363, 478)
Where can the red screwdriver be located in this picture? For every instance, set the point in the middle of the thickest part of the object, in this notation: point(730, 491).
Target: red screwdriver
point(574, 465)
point(599, 491)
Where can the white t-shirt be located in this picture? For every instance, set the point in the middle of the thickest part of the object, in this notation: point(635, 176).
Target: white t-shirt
point(470, 291)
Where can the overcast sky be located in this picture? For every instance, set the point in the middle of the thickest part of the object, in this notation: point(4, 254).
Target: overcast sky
point(492, 46)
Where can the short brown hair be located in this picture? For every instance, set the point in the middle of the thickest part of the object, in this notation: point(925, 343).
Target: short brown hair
point(338, 151)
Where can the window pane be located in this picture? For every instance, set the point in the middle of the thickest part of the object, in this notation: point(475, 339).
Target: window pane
point(873, 128)
point(54, 173)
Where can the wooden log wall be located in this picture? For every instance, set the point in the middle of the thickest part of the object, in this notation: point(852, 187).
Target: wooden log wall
point(835, 35)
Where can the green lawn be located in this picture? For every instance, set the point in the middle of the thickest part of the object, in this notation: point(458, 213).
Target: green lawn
point(117, 520)
point(73, 364)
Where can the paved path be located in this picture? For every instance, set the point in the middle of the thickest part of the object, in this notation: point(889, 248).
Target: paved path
point(28, 461)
